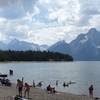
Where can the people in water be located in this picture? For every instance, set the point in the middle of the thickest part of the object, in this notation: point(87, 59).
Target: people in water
point(22, 79)
point(39, 84)
point(10, 72)
point(20, 87)
point(33, 83)
point(91, 91)
point(56, 82)
point(68, 83)
point(64, 84)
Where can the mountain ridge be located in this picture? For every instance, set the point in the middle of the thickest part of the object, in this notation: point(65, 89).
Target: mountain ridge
point(18, 45)
point(86, 46)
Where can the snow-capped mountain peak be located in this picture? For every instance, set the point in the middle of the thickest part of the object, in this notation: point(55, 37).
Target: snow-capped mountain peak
point(84, 40)
point(85, 47)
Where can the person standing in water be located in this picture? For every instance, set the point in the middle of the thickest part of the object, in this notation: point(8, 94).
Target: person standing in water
point(56, 82)
point(91, 91)
point(33, 83)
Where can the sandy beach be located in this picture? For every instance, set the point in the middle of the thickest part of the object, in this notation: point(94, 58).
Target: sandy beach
point(8, 93)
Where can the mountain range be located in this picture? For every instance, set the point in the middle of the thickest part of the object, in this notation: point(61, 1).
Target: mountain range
point(22, 46)
point(86, 47)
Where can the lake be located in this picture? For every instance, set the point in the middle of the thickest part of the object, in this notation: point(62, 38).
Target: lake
point(83, 73)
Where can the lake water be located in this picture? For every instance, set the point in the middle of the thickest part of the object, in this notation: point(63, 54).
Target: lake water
point(83, 73)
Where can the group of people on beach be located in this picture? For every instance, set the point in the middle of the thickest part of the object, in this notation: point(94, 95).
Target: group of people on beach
point(48, 88)
point(26, 87)
point(52, 89)
point(5, 82)
point(20, 87)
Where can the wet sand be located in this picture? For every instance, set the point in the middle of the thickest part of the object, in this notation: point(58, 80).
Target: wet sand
point(8, 93)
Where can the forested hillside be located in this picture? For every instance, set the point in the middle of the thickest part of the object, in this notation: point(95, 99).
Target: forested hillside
point(33, 56)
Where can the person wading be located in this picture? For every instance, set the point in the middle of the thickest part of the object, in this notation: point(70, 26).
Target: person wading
point(91, 91)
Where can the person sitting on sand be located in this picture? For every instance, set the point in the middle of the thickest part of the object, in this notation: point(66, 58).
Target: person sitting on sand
point(50, 89)
point(20, 87)
point(53, 90)
point(3, 81)
point(91, 91)
point(27, 89)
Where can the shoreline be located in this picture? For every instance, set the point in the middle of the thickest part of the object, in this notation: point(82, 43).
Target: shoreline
point(7, 62)
point(40, 94)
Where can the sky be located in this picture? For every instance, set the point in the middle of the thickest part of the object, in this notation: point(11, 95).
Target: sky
point(47, 21)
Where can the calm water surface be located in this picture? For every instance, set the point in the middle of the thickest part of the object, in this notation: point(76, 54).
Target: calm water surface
point(83, 73)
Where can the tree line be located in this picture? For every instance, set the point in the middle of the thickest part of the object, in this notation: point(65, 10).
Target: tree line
point(33, 56)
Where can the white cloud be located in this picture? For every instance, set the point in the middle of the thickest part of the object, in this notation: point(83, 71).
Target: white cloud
point(47, 21)
point(95, 22)
point(46, 35)
point(62, 11)
point(52, 34)
point(88, 9)
point(2, 37)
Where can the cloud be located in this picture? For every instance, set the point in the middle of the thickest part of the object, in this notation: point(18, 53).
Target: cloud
point(61, 11)
point(51, 35)
point(88, 9)
point(13, 9)
point(47, 21)
point(46, 35)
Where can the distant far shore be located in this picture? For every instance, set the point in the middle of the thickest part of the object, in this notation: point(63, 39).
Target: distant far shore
point(34, 61)
point(33, 56)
